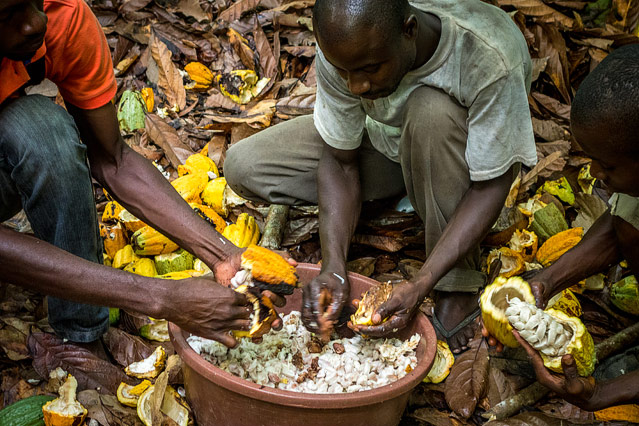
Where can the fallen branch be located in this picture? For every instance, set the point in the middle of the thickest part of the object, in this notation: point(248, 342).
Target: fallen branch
point(533, 393)
point(275, 226)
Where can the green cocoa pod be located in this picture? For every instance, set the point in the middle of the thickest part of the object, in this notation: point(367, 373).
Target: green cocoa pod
point(624, 295)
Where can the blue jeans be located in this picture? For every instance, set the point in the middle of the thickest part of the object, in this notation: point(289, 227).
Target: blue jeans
point(44, 170)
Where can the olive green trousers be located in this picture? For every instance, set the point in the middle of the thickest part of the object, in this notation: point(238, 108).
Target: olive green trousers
point(279, 166)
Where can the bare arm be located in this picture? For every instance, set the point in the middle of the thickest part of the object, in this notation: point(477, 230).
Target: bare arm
point(200, 306)
point(475, 214)
point(594, 253)
point(340, 203)
point(142, 189)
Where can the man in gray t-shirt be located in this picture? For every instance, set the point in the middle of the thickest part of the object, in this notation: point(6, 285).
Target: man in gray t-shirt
point(427, 97)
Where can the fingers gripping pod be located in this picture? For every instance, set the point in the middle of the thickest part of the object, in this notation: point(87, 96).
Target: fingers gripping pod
point(554, 334)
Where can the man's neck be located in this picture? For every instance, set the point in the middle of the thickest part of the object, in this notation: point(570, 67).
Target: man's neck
point(429, 33)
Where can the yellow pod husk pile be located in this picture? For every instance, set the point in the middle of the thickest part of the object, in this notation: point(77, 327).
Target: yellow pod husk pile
point(180, 275)
point(130, 222)
point(198, 163)
point(375, 297)
point(129, 394)
point(558, 244)
point(525, 243)
point(191, 186)
point(511, 262)
point(114, 238)
point(444, 361)
point(494, 302)
point(214, 196)
point(210, 215)
point(111, 211)
point(554, 334)
point(147, 241)
point(123, 257)
point(244, 232)
point(144, 267)
point(150, 367)
point(65, 410)
point(560, 188)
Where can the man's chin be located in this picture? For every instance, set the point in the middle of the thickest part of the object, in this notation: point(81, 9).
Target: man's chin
point(20, 56)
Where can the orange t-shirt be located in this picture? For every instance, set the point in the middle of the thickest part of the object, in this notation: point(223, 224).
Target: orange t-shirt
point(76, 54)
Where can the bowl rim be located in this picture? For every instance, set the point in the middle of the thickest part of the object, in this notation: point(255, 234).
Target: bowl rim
point(245, 387)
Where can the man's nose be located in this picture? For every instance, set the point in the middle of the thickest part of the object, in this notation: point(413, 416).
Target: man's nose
point(358, 85)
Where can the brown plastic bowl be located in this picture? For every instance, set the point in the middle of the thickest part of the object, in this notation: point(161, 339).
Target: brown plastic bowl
point(219, 398)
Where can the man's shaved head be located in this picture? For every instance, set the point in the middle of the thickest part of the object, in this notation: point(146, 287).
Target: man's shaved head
point(337, 20)
point(607, 99)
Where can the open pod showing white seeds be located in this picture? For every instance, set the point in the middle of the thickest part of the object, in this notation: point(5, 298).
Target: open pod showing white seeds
point(554, 334)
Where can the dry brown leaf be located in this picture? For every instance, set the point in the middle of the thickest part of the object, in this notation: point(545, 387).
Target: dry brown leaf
point(532, 419)
point(300, 230)
point(549, 130)
point(544, 149)
point(540, 10)
point(467, 381)
point(434, 417)
point(106, 410)
point(259, 116)
point(169, 79)
point(268, 61)
point(193, 9)
point(305, 51)
point(236, 10)
point(389, 244)
point(165, 136)
point(550, 43)
point(499, 388)
point(14, 343)
point(126, 348)
point(363, 266)
point(242, 48)
point(298, 4)
point(545, 167)
point(296, 105)
point(590, 208)
point(565, 410)
point(552, 105)
point(217, 100)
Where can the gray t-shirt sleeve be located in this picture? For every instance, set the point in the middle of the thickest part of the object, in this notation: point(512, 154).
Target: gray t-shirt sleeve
point(339, 117)
point(500, 130)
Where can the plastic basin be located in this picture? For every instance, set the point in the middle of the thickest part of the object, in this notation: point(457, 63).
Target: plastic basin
point(219, 398)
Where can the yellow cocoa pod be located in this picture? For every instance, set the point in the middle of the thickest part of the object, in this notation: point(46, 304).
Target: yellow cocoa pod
point(620, 413)
point(130, 222)
point(214, 196)
point(123, 257)
point(200, 74)
point(566, 302)
point(375, 297)
point(554, 334)
point(444, 361)
point(560, 188)
point(114, 238)
point(558, 244)
point(511, 262)
point(494, 302)
point(111, 211)
point(149, 242)
point(180, 275)
point(210, 216)
point(129, 394)
point(150, 367)
point(244, 232)
point(191, 186)
point(198, 163)
point(205, 150)
point(148, 97)
point(144, 267)
point(524, 242)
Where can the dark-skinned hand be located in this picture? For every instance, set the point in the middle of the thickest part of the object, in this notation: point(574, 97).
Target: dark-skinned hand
point(227, 268)
point(205, 308)
point(579, 391)
point(400, 308)
point(314, 311)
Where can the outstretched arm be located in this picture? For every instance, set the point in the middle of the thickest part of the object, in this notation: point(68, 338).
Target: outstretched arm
point(142, 189)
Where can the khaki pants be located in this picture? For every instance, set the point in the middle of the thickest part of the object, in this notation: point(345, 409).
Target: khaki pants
point(279, 165)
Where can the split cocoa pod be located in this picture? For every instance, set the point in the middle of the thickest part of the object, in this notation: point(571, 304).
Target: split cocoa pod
point(375, 297)
point(263, 313)
point(266, 270)
point(509, 303)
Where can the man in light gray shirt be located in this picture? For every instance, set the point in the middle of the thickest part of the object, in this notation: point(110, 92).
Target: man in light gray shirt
point(427, 97)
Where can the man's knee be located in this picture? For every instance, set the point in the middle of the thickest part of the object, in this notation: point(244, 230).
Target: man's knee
point(432, 109)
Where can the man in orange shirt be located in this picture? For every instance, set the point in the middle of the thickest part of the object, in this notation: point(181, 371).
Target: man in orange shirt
point(43, 169)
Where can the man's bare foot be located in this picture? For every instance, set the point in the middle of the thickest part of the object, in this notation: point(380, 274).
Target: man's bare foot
point(451, 310)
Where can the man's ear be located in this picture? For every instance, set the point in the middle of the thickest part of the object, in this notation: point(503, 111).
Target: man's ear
point(409, 29)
